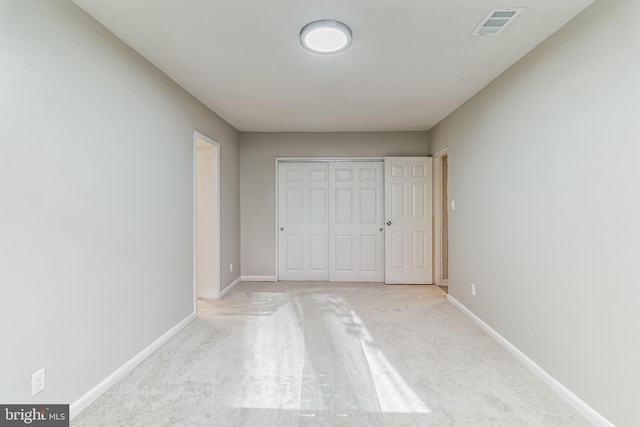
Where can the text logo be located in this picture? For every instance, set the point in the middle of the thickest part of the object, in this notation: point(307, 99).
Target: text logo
point(34, 415)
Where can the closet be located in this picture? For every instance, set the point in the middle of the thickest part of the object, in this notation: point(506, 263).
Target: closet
point(332, 220)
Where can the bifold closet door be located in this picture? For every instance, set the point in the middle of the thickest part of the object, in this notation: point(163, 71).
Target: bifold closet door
point(331, 221)
point(303, 221)
point(356, 222)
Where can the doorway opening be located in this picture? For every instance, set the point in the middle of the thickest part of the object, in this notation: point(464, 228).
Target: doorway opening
point(441, 219)
point(445, 220)
point(207, 218)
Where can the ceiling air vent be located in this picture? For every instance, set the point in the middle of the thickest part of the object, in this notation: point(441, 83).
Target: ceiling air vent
point(496, 21)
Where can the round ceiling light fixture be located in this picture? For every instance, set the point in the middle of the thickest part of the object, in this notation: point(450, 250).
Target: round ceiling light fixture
point(325, 36)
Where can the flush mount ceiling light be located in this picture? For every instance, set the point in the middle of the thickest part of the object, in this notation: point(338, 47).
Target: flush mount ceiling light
point(325, 36)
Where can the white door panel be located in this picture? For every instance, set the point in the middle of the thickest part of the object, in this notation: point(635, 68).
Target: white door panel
point(293, 254)
point(408, 215)
point(356, 216)
point(303, 212)
point(330, 227)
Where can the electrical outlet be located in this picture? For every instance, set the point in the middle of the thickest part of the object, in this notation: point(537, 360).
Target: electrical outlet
point(230, 267)
point(473, 289)
point(453, 205)
point(37, 382)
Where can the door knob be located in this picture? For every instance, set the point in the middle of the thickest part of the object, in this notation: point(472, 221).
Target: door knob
point(381, 229)
point(281, 228)
point(388, 222)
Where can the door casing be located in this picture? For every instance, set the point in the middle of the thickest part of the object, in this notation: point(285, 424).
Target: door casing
point(437, 216)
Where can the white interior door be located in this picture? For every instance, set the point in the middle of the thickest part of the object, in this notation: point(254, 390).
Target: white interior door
point(303, 221)
point(356, 222)
point(408, 214)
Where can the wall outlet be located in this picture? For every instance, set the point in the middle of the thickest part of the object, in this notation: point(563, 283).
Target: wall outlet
point(473, 289)
point(230, 267)
point(453, 205)
point(37, 382)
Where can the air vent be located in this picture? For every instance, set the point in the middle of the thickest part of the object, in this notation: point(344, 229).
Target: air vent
point(496, 21)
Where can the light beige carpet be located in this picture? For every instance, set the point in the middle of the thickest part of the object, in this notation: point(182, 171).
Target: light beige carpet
point(323, 354)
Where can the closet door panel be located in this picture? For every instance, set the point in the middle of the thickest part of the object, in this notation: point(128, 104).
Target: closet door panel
point(356, 218)
point(303, 221)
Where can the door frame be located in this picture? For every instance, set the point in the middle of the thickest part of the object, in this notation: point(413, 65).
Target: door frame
point(216, 146)
point(279, 160)
point(437, 215)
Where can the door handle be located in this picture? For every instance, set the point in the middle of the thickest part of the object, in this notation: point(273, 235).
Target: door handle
point(281, 228)
point(381, 229)
point(388, 222)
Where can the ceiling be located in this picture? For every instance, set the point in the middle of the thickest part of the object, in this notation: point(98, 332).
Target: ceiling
point(412, 62)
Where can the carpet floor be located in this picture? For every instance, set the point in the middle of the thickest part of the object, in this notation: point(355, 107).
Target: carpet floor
point(330, 354)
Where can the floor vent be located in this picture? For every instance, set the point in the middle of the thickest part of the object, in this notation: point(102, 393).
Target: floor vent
point(496, 21)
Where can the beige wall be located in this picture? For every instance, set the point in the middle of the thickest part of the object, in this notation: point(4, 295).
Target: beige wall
point(96, 200)
point(544, 172)
point(258, 153)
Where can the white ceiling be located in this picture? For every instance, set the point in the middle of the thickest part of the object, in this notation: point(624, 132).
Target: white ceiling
point(412, 62)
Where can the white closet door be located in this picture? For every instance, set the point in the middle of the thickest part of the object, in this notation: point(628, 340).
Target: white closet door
point(356, 222)
point(409, 225)
point(303, 195)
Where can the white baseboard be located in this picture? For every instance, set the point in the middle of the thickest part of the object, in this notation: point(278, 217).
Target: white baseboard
point(208, 294)
point(587, 411)
point(259, 279)
point(83, 402)
point(231, 286)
